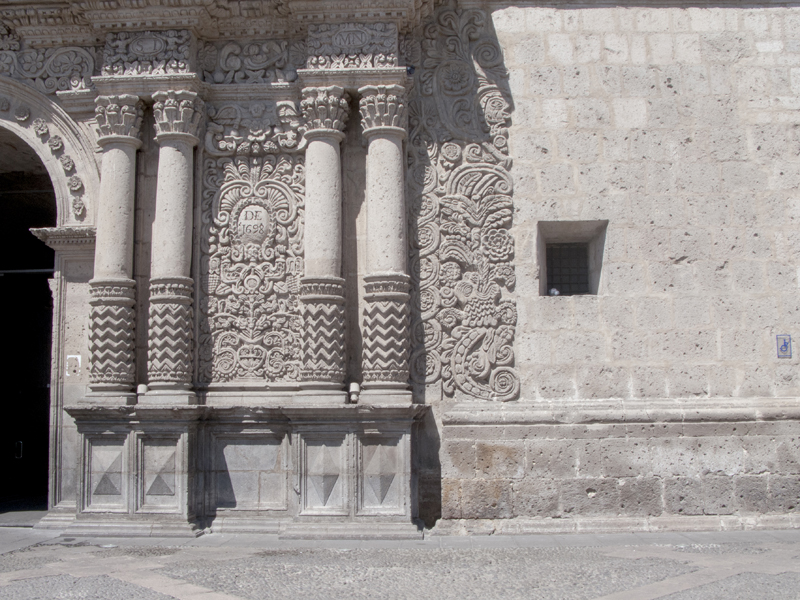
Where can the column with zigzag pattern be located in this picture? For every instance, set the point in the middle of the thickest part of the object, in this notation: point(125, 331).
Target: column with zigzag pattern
point(113, 290)
point(385, 360)
point(169, 349)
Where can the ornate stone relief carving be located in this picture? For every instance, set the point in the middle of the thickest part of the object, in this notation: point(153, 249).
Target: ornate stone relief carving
point(461, 189)
point(252, 261)
point(169, 342)
point(119, 115)
point(386, 340)
point(352, 45)
point(111, 338)
point(55, 143)
point(383, 106)
point(254, 62)
point(177, 112)
point(325, 108)
point(253, 128)
point(323, 329)
point(148, 53)
point(49, 71)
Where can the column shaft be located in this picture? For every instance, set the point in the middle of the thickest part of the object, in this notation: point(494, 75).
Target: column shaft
point(171, 319)
point(385, 364)
point(322, 287)
point(113, 290)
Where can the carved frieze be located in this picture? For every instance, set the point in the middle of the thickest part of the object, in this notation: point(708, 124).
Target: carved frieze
point(254, 62)
point(352, 45)
point(49, 71)
point(252, 261)
point(148, 53)
point(119, 115)
point(461, 195)
point(177, 112)
point(253, 128)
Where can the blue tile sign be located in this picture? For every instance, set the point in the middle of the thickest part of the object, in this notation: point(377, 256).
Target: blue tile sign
point(784, 346)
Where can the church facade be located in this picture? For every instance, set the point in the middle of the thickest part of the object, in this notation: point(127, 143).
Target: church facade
point(347, 269)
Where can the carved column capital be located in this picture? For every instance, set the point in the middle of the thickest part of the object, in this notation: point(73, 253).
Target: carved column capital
point(177, 114)
point(383, 109)
point(119, 118)
point(325, 110)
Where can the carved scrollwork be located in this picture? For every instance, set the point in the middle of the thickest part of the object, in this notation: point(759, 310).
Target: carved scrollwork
point(253, 129)
point(254, 62)
point(51, 70)
point(352, 45)
point(459, 177)
point(252, 261)
point(147, 53)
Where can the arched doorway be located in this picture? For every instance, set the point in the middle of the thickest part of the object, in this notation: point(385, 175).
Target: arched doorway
point(27, 200)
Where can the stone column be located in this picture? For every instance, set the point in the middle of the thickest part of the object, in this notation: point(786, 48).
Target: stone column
point(386, 316)
point(322, 287)
point(169, 358)
point(113, 290)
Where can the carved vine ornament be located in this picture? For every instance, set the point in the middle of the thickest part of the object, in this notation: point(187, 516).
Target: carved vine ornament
point(459, 185)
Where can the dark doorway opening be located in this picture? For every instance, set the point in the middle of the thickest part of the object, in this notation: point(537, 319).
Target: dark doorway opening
point(27, 200)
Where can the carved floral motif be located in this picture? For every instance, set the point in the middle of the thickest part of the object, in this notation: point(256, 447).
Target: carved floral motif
point(147, 53)
point(352, 45)
point(254, 62)
point(51, 70)
point(462, 256)
point(252, 248)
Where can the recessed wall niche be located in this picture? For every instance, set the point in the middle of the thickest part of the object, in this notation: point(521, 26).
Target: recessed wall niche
point(573, 253)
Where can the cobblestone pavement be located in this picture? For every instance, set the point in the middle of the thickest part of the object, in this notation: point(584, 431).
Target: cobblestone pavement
point(688, 566)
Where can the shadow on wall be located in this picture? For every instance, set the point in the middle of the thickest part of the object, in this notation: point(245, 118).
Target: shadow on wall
point(461, 251)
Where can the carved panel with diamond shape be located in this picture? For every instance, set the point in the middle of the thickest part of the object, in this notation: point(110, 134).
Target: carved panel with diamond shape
point(159, 473)
point(106, 474)
point(324, 476)
point(381, 475)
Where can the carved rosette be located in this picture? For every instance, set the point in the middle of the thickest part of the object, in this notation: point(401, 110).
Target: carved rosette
point(169, 344)
point(325, 109)
point(323, 329)
point(383, 109)
point(177, 112)
point(111, 334)
point(386, 334)
point(119, 116)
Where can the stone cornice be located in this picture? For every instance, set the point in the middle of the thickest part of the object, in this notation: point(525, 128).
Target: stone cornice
point(66, 238)
point(48, 23)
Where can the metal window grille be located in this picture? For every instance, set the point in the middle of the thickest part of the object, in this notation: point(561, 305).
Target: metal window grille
point(568, 269)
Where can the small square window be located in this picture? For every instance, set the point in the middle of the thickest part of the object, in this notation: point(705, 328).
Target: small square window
point(567, 269)
point(570, 257)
